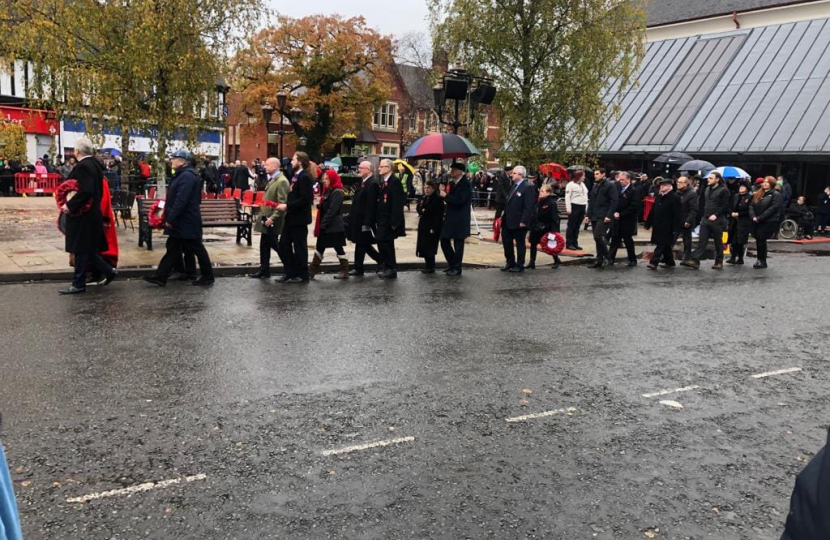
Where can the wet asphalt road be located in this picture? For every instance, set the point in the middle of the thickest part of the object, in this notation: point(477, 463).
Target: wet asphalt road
point(249, 383)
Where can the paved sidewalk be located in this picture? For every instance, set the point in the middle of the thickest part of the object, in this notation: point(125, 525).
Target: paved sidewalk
point(32, 248)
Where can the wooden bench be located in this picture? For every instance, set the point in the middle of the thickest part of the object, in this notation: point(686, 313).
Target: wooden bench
point(215, 213)
point(562, 209)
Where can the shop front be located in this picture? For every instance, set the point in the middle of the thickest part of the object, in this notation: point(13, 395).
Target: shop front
point(41, 129)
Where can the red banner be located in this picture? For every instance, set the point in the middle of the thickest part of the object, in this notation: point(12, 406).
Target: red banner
point(32, 120)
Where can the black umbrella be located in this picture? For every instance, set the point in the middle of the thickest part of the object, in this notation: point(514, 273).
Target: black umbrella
point(573, 168)
point(696, 165)
point(672, 158)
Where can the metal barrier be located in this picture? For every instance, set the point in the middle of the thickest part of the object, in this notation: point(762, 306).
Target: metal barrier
point(36, 183)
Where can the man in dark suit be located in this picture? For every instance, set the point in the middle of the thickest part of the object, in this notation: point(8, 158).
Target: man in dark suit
point(602, 204)
point(85, 237)
point(362, 218)
point(389, 218)
point(628, 209)
point(293, 242)
point(518, 212)
point(666, 217)
point(241, 176)
point(183, 222)
point(456, 227)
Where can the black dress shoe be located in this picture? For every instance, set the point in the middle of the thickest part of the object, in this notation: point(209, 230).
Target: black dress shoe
point(388, 274)
point(155, 280)
point(296, 280)
point(570, 247)
point(454, 272)
point(507, 267)
point(596, 264)
point(282, 279)
point(669, 265)
point(517, 270)
point(72, 290)
point(651, 266)
point(109, 278)
point(604, 263)
point(577, 248)
point(259, 275)
point(428, 271)
point(556, 264)
point(531, 265)
point(203, 280)
point(355, 273)
point(759, 264)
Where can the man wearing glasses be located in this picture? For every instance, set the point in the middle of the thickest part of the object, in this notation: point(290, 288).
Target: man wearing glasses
point(389, 218)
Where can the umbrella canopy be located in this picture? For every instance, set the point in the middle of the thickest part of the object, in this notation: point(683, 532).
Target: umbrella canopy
point(337, 161)
point(574, 168)
point(696, 165)
point(441, 146)
point(555, 170)
point(110, 152)
point(406, 165)
point(672, 158)
point(730, 172)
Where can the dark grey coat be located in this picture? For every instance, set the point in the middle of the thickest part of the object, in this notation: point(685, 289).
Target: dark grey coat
point(457, 216)
point(85, 232)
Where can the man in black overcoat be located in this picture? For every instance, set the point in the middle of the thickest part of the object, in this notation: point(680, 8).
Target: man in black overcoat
point(666, 219)
point(362, 218)
point(628, 208)
point(457, 196)
point(809, 518)
point(602, 204)
point(690, 202)
point(85, 237)
point(389, 218)
point(241, 176)
point(294, 239)
point(518, 212)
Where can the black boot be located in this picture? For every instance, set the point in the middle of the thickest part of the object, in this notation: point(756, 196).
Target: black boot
point(557, 262)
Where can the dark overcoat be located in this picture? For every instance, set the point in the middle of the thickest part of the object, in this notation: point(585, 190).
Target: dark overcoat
point(364, 208)
point(182, 207)
point(603, 200)
point(389, 218)
point(665, 218)
point(300, 199)
point(740, 227)
point(545, 216)
point(519, 206)
point(808, 518)
point(459, 204)
point(628, 206)
point(331, 205)
point(85, 232)
point(431, 210)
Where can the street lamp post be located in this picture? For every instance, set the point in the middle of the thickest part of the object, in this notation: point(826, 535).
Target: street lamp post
point(459, 86)
point(293, 115)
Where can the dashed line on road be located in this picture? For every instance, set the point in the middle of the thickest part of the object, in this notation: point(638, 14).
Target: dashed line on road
point(540, 415)
point(778, 372)
point(357, 447)
point(666, 392)
point(147, 486)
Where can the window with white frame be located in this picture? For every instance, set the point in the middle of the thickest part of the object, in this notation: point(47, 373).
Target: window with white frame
point(386, 116)
point(413, 122)
point(389, 150)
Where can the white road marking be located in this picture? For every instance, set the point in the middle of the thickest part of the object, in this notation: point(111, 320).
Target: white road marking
point(672, 404)
point(540, 415)
point(778, 372)
point(147, 486)
point(665, 392)
point(367, 446)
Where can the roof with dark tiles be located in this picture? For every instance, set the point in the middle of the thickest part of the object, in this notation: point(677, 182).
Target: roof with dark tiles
point(661, 12)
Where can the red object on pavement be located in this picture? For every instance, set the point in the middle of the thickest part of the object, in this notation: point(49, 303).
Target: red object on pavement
point(555, 170)
point(36, 183)
point(648, 202)
point(496, 230)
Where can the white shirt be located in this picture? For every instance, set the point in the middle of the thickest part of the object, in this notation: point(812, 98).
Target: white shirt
point(575, 193)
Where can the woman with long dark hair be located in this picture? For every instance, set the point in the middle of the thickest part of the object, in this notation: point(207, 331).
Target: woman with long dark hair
point(766, 204)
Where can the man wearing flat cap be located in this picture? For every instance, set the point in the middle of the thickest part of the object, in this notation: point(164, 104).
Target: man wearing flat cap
point(457, 195)
point(666, 218)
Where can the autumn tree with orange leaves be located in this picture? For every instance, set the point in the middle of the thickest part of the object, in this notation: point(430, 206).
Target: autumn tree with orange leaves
point(334, 70)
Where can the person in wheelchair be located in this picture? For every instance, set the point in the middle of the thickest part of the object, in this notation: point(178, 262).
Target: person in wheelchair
point(801, 214)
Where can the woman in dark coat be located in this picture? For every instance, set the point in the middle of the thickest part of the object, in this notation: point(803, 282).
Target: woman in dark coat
point(740, 225)
point(330, 230)
point(431, 210)
point(545, 220)
point(766, 205)
point(666, 217)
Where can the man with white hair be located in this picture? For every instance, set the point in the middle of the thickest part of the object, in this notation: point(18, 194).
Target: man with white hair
point(85, 237)
point(518, 213)
point(362, 218)
point(389, 219)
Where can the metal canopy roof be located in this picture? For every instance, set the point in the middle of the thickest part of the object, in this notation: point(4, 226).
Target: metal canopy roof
point(764, 90)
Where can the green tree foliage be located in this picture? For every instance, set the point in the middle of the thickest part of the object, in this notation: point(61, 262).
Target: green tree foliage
point(12, 142)
point(551, 60)
point(335, 69)
point(149, 66)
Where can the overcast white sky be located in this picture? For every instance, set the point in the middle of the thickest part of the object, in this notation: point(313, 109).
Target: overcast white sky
point(398, 17)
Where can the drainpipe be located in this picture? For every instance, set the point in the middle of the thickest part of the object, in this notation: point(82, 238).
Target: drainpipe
point(735, 20)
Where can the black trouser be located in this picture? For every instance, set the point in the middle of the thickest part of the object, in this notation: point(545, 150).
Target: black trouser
point(429, 262)
point(386, 249)
point(175, 248)
point(574, 221)
point(508, 236)
point(662, 251)
point(320, 248)
point(267, 242)
point(713, 229)
point(183, 265)
point(453, 249)
point(763, 232)
point(293, 250)
point(686, 234)
point(93, 260)
point(626, 239)
point(600, 229)
point(362, 247)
